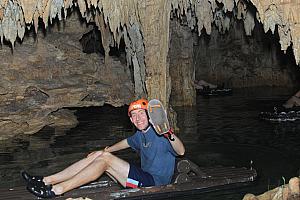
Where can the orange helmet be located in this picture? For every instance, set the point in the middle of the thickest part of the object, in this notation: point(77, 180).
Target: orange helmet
point(138, 104)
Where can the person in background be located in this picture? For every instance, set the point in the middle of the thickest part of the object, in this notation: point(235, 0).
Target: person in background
point(157, 155)
point(201, 84)
point(293, 101)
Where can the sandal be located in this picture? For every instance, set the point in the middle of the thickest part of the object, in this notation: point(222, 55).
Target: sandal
point(34, 180)
point(158, 117)
point(40, 191)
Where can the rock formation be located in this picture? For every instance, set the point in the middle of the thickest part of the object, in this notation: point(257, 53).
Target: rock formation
point(147, 33)
point(38, 81)
point(41, 77)
point(290, 191)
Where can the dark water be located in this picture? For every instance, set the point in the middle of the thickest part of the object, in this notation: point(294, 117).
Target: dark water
point(218, 131)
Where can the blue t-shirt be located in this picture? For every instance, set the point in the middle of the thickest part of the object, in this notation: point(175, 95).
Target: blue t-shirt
point(157, 155)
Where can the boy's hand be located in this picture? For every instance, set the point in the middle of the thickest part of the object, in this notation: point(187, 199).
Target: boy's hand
point(169, 134)
point(106, 149)
point(95, 153)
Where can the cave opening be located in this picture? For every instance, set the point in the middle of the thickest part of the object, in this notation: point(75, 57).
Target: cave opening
point(92, 43)
point(228, 56)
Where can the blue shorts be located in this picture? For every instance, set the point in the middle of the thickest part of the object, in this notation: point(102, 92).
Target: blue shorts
point(138, 178)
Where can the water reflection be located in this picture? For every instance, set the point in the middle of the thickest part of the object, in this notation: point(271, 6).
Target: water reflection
point(218, 131)
point(230, 133)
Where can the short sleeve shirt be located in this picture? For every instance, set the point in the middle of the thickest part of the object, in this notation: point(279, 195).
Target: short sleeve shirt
point(157, 155)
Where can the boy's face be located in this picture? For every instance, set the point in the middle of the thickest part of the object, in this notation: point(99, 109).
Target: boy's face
point(139, 118)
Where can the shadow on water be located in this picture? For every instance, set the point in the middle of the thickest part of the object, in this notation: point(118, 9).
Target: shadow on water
point(218, 131)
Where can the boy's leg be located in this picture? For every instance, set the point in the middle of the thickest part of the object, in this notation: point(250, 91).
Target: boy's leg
point(117, 167)
point(71, 170)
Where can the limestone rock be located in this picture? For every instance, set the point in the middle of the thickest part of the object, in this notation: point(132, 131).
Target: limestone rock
point(16, 15)
point(40, 78)
point(284, 192)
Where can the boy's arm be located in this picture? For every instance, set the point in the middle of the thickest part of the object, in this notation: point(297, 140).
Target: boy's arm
point(123, 144)
point(177, 145)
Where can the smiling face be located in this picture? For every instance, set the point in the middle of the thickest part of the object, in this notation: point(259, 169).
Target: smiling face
point(139, 118)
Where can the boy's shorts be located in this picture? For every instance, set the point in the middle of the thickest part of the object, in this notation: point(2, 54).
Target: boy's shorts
point(138, 178)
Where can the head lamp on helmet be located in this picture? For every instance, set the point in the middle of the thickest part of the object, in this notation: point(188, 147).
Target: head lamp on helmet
point(138, 104)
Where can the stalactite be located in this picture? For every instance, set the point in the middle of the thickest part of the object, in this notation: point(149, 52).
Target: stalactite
point(284, 14)
point(106, 35)
point(249, 23)
point(135, 57)
point(204, 15)
point(12, 22)
point(221, 21)
point(241, 10)
point(228, 4)
point(16, 15)
point(272, 18)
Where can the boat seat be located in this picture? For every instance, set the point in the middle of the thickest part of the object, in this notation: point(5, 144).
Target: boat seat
point(185, 170)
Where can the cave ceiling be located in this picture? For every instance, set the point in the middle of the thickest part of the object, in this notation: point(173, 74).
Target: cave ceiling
point(17, 15)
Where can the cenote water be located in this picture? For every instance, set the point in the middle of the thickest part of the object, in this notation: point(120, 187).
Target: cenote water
point(218, 131)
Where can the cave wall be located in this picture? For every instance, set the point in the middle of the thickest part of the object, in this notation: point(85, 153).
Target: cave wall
point(228, 57)
point(146, 23)
point(51, 72)
point(145, 39)
point(238, 60)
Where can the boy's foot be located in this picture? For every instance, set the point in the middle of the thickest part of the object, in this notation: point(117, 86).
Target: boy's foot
point(34, 180)
point(159, 120)
point(158, 117)
point(41, 191)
